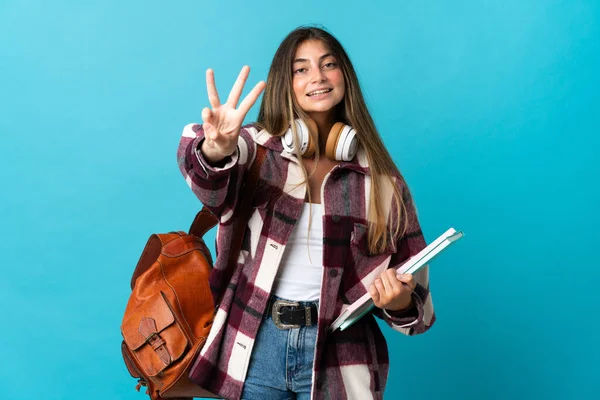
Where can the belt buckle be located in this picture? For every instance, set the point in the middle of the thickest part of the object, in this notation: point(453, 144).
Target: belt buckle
point(276, 314)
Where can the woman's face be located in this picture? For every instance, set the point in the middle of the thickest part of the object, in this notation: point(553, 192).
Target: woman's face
point(317, 78)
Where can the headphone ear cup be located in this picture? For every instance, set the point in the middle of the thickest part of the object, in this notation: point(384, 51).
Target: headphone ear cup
point(305, 138)
point(341, 143)
point(287, 140)
point(332, 140)
point(311, 132)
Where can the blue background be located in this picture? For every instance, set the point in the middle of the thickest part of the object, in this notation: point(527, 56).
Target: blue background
point(490, 108)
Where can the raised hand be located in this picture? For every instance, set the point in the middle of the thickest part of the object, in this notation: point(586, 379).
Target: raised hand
point(223, 122)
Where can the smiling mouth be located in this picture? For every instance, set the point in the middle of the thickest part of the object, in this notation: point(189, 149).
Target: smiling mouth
point(318, 92)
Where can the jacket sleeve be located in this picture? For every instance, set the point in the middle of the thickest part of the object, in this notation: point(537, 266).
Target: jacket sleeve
point(420, 317)
point(216, 186)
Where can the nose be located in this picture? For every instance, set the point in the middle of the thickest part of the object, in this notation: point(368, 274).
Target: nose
point(318, 75)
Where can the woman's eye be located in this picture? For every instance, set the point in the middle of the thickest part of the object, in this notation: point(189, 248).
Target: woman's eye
point(299, 70)
point(330, 65)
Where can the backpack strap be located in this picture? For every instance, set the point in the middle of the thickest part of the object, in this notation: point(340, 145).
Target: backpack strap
point(203, 222)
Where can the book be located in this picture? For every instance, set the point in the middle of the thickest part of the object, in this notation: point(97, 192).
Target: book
point(353, 312)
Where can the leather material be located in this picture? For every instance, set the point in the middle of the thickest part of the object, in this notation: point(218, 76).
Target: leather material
point(203, 222)
point(170, 310)
point(296, 315)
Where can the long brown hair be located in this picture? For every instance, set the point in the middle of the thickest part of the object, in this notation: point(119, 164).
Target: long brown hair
point(279, 108)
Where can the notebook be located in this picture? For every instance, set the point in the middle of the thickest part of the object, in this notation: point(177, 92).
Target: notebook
point(353, 312)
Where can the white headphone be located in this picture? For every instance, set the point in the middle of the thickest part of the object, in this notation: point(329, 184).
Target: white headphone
point(341, 145)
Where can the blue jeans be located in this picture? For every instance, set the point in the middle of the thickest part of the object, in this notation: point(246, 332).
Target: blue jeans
point(281, 362)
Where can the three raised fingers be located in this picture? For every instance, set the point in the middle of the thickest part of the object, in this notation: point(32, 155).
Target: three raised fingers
point(236, 91)
point(238, 86)
point(251, 98)
point(213, 95)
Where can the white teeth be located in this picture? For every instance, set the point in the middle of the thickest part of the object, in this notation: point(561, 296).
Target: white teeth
point(316, 92)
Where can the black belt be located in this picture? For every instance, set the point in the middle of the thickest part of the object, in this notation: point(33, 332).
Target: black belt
point(290, 314)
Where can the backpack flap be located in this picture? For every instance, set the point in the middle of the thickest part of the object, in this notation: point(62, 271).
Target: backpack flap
point(153, 336)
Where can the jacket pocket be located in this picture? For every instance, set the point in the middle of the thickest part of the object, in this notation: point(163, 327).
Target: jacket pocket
point(359, 241)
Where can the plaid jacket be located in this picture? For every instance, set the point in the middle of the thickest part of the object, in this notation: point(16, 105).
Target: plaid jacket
point(352, 364)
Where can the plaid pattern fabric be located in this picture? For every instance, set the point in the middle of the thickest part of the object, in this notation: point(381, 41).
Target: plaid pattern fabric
point(348, 364)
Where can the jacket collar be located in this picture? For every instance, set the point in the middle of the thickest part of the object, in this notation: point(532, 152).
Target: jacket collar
point(359, 163)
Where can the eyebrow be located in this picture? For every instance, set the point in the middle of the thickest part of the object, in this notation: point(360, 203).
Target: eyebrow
point(297, 60)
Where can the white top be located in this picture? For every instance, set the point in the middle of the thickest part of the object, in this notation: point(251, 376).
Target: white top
point(301, 270)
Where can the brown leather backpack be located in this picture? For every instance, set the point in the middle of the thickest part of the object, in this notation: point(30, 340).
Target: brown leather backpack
point(171, 309)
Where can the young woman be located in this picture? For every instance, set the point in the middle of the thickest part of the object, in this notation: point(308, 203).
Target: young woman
point(331, 217)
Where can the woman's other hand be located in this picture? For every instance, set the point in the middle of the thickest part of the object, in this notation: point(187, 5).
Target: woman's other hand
point(222, 122)
point(392, 292)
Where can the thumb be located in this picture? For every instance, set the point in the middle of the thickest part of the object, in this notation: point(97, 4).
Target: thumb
point(207, 115)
